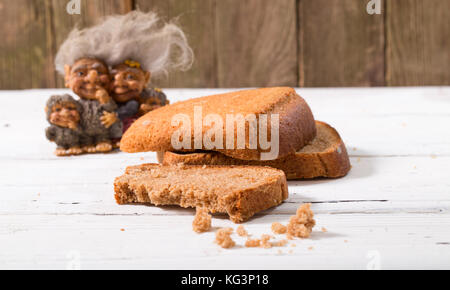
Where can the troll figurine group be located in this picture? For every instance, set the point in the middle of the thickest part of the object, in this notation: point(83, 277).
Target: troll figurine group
point(109, 66)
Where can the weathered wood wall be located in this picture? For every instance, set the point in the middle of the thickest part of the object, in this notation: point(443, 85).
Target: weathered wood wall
point(245, 43)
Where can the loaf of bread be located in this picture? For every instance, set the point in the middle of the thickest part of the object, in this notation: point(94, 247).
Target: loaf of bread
point(239, 191)
point(154, 131)
point(326, 156)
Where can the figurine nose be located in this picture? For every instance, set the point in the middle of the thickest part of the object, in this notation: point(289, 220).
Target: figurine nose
point(118, 78)
point(92, 76)
point(64, 112)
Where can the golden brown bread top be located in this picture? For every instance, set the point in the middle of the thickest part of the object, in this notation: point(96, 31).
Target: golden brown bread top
point(153, 131)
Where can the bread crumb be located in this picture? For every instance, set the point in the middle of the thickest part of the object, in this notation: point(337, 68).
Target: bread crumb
point(142, 158)
point(253, 243)
point(281, 243)
point(241, 231)
point(122, 230)
point(265, 241)
point(311, 248)
point(202, 220)
point(278, 228)
point(223, 238)
point(324, 230)
point(302, 223)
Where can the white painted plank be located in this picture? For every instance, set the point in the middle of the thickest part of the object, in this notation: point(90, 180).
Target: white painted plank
point(375, 184)
point(368, 136)
point(374, 121)
point(413, 241)
point(394, 203)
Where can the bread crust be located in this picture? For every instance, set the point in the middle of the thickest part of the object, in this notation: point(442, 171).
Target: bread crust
point(308, 163)
point(180, 185)
point(153, 131)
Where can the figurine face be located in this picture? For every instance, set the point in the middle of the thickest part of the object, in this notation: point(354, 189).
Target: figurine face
point(128, 82)
point(86, 76)
point(65, 115)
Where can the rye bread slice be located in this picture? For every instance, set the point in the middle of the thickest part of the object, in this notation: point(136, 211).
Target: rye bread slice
point(326, 156)
point(153, 132)
point(239, 191)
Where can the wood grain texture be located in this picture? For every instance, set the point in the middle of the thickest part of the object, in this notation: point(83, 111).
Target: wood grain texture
point(418, 41)
point(256, 43)
point(160, 242)
point(340, 44)
point(197, 18)
point(91, 12)
point(32, 32)
point(25, 46)
point(239, 43)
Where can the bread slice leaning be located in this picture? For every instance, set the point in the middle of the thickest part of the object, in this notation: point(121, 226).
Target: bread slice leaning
point(326, 156)
point(154, 131)
point(239, 191)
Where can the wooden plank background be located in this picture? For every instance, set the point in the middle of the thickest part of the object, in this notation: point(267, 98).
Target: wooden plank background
point(249, 43)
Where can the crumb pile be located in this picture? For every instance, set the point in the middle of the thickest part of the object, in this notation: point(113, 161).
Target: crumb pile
point(241, 231)
point(253, 243)
point(281, 243)
point(264, 242)
point(300, 226)
point(223, 238)
point(302, 223)
point(202, 220)
point(278, 228)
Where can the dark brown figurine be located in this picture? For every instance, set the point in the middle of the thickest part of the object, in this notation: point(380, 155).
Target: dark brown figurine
point(63, 113)
point(129, 90)
point(89, 78)
point(135, 46)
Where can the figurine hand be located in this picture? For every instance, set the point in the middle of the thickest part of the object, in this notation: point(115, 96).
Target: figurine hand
point(72, 125)
point(108, 119)
point(102, 96)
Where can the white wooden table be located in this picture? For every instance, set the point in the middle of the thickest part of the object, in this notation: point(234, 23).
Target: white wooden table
point(391, 211)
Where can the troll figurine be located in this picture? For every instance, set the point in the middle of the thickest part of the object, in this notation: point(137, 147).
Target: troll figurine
point(129, 90)
point(89, 78)
point(63, 114)
point(135, 47)
point(138, 46)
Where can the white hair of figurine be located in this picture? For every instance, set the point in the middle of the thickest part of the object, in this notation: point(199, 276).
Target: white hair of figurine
point(159, 47)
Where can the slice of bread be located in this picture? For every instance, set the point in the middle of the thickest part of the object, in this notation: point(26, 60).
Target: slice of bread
point(154, 131)
point(239, 191)
point(326, 156)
